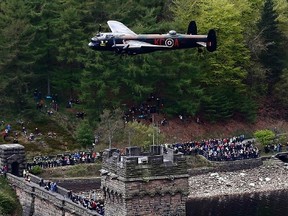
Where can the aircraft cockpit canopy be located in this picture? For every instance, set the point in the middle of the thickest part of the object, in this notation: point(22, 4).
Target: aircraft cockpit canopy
point(172, 32)
point(102, 36)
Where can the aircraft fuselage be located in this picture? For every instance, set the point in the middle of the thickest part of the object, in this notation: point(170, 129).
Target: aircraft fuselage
point(117, 42)
point(123, 40)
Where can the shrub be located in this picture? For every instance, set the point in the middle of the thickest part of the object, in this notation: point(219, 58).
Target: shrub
point(36, 170)
point(6, 203)
point(264, 136)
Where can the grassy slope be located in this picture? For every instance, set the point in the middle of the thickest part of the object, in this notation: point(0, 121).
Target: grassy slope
point(80, 170)
point(9, 204)
point(61, 141)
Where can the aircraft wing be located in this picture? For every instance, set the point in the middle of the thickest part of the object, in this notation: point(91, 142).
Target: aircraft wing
point(135, 44)
point(118, 27)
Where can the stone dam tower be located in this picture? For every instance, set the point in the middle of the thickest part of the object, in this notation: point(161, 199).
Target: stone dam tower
point(154, 183)
point(13, 156)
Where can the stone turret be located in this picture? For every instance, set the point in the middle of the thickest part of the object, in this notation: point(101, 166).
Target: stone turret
point(154, 183)
point(13, 156)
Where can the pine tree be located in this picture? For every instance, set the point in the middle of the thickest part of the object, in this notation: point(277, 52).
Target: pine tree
point(16, 34)
point(272, 56)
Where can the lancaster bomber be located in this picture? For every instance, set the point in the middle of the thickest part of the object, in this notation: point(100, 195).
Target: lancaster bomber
point(122, 40)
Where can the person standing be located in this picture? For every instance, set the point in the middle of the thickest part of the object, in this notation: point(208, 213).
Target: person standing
point(5, 170)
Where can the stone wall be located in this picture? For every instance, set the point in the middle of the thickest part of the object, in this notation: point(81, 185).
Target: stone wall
point(36, 201)
point(144, 184)
point(227, 166)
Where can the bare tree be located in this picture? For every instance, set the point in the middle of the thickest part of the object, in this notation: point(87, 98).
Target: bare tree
point(110, 122)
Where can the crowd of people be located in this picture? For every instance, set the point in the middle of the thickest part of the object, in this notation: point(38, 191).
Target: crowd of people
point(276, 147)
point(41, 101)
point(153, 104)
point(48, 185)
point(89, 202)
point(63, 159)
point(227, 149)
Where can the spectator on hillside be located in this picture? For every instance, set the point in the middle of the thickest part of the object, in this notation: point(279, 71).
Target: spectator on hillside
point(35, 94)
point(8, 127)
point(31, 137)
point(15, 140)
point(40, 105)
point(37, 132)
point(50, 112)
point(164, 122)
point(69, 104)
point(80, 115)
point(5, 134)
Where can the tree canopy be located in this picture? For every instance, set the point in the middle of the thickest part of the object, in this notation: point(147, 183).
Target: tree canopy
point(44, 45)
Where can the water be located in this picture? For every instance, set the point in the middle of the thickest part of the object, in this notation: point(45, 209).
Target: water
point(263, 204)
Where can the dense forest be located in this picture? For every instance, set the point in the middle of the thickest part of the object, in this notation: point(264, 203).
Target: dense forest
point(44, 46)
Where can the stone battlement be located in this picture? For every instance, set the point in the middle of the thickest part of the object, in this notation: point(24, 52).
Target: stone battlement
point(136, 164)
point(144, 183)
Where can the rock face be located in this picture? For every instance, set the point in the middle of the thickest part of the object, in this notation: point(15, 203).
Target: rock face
point(270, 176)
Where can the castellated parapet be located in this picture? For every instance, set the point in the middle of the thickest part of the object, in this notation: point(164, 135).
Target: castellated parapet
point(137, 183)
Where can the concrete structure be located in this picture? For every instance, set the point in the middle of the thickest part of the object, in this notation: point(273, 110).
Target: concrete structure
point(13, 155)
point(150, 184)
point(226, 166)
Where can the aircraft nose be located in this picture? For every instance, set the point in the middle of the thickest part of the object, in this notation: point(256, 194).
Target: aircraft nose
point(91, 44)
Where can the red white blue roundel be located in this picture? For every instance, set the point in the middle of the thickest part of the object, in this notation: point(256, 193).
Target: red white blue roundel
point(169, 42)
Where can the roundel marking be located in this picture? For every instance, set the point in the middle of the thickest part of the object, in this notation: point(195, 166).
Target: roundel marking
point(169, 42)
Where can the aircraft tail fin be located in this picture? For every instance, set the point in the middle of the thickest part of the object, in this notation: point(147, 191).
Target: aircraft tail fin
point(211, 44)
point(192, 28)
